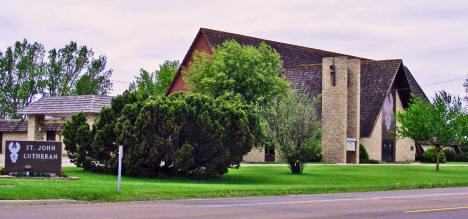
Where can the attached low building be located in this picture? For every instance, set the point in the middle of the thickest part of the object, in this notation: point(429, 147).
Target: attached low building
point(46, 116)
point(359, 96)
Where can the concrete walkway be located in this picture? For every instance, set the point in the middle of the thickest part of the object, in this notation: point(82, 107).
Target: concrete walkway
point(364, 164)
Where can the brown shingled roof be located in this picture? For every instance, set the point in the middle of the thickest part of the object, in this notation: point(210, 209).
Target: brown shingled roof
point(377, 78)
point(292, 55)
point(68, 105)
point(14, 125)
point(303, 69)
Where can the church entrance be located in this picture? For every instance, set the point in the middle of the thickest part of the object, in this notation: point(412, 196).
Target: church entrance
point(388, 151)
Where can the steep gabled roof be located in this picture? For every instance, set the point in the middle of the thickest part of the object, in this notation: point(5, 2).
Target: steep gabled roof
point(68, 105)
point(377, 78)
point(291, 54)
point(307, 79)
point(14, 125)
point(303, 69)
point(414, 86)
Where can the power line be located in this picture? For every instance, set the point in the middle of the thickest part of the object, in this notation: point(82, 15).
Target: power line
point(124, 82)
point(441, 82)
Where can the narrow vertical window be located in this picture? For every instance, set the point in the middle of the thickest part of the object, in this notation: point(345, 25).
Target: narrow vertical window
point(332, 75)
point(349, 80)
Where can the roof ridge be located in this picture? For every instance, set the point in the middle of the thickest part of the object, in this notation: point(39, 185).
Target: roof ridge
point(384, 60)
point(280, 43)
point(303, 65)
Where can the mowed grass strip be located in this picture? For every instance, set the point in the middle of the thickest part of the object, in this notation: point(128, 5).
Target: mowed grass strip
point(245, 181)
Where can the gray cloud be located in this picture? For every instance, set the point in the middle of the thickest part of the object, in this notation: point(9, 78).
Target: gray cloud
point(430, 36)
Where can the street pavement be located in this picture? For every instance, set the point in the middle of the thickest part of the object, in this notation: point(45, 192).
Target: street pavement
point(422, 203)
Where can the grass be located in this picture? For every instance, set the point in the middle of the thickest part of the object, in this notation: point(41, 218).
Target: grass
point(245, 181)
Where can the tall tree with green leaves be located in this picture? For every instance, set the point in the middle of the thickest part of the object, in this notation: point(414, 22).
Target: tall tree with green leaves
point(73, 70)
point(96, 79)
point(291, 123)
point(238, 69)
point(157, 82)
point(441, 122)
point(21, 76)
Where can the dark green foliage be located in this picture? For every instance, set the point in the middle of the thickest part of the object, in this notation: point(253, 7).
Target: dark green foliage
point(180, 135)
point(186, 134)
point(462, 157)
point(450, 154)
point(363, 155)
point(77, 138)
point(430, 156)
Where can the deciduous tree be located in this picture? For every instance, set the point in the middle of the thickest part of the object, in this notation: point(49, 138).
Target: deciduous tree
point(157, 82)
point(440, 122)
point(73, 70)
point(238, 69)
point(21, 76)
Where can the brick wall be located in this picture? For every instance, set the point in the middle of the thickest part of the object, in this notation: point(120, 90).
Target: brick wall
point(12, 136)
point(334, 109)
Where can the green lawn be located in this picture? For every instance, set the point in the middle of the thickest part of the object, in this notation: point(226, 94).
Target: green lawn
point(246, 181)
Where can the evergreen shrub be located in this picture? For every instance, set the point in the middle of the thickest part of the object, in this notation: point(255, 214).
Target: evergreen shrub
point(430, 156)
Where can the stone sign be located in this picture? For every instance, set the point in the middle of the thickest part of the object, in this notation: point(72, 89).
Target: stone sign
point(33, 156)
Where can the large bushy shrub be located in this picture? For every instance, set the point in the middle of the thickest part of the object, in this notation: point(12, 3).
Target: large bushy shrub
point(180, 135)
point(95, 148)
point(450, 155)
point(430, 156)
point(186, 134)
point(462, 157)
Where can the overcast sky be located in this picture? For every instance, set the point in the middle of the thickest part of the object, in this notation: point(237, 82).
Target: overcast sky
point(430, 36)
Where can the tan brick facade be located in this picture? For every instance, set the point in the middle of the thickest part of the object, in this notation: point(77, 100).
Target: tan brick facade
point(12, 136)
point(340, 108)
point(403, 150)
point(34, 132)
point(373, 144)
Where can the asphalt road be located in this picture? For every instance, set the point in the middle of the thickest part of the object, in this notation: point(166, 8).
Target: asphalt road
point(427, 203)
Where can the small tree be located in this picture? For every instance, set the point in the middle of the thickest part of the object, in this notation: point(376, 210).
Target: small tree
point(290, 121)
point(440, 123)
point(238, 69)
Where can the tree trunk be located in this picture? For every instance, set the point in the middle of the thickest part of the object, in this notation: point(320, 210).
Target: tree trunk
point(438, 154)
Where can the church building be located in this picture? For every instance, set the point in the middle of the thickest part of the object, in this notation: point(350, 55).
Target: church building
point(359, 96)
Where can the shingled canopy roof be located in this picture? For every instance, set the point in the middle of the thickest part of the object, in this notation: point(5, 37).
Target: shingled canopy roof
point(14, 125)
point(67, 105)
point(304, 70)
